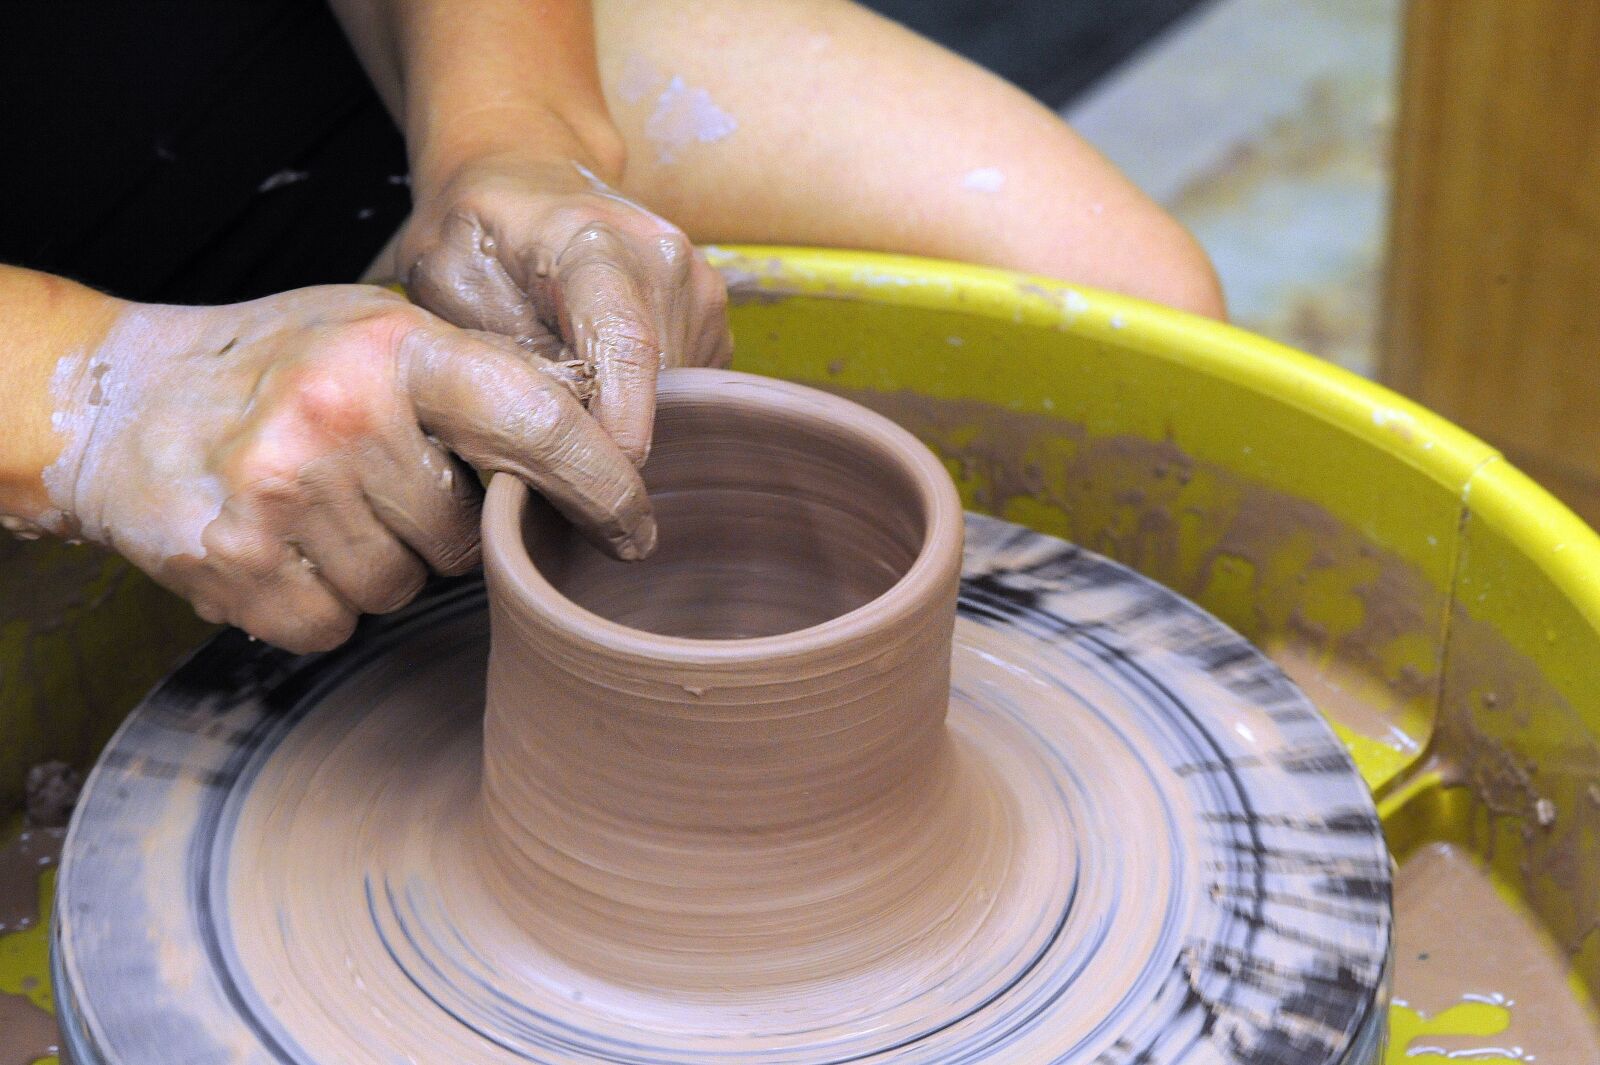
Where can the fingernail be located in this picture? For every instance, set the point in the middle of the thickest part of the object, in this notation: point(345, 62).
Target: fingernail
point(642, 542)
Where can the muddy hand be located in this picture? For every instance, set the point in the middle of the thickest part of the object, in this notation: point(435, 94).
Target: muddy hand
point(287, 464)
point(549, 255)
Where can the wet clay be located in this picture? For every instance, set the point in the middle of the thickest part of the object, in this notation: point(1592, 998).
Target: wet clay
point(1460, 946)
point(706, 771)
point(1344, 693)
point(728, 804)
point(21, 861)
point(27, 1032)
point(717, 787)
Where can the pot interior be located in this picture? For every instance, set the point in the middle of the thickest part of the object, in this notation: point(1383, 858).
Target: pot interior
point(770, 521)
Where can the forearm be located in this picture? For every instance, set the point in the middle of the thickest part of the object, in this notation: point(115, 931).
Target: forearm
point(492, 77)
point(47, 323)
point(515, 166)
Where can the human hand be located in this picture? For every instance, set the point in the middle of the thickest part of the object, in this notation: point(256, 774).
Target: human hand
point(550, 256)
point(283, 463)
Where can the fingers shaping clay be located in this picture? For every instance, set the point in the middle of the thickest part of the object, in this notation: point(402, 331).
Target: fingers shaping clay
point(765, 797)
point(734, 752)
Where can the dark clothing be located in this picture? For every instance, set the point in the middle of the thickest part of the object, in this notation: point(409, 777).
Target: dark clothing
point(193, 151)
point(206, 151)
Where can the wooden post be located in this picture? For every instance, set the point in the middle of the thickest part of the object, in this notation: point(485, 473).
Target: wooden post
point(1493, 292)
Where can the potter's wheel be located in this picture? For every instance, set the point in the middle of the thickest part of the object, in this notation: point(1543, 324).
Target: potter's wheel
point(1270, 946)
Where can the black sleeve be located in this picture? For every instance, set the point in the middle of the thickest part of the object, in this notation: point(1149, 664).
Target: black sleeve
point(192, 151)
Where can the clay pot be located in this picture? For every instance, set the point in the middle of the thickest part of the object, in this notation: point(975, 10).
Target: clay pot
point(728, 751)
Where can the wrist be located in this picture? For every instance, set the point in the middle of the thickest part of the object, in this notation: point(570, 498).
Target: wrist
point(527, 137)
point(52, 325)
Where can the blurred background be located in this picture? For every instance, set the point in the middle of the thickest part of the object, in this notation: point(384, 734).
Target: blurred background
point(1264, 125)
point(1409, 188)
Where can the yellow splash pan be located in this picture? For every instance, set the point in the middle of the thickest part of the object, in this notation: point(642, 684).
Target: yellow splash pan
point(1441, 608)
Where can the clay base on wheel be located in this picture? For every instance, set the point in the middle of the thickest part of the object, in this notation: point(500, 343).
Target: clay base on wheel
point(1209, 886)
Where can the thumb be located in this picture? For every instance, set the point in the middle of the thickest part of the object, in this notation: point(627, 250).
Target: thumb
point(461, 277)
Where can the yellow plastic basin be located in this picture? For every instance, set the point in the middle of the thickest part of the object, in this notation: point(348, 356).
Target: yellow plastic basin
point(1442, 609)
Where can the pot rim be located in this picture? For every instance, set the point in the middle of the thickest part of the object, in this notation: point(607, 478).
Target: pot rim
point(924, 583)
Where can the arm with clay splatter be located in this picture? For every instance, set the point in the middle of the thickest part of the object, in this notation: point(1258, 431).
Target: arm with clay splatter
point(518, 228)
point(44, 317)
point(288, 463)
